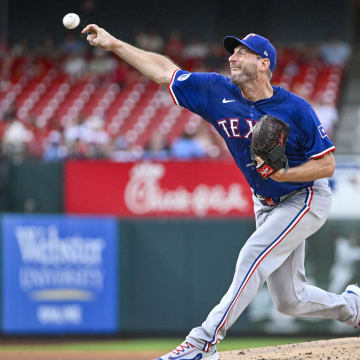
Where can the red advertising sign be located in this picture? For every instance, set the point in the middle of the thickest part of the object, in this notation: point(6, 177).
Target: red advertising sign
point(200, 188)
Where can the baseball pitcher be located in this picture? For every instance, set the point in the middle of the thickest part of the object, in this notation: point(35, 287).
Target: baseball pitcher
point(282, 149)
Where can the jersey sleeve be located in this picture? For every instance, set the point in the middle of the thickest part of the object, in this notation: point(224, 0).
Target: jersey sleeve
point(315, 140)
point(190, 90)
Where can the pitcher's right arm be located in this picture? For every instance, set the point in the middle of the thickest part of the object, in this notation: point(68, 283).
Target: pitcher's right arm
point(154, 66)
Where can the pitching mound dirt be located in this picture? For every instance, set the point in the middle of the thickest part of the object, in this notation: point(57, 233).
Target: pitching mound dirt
point(336, 349)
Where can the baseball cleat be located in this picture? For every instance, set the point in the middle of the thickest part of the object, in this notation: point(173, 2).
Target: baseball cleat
point(355, 290)
point(187, 351)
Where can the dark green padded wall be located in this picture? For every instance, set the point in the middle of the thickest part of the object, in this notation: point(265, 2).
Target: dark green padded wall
point(37, 187)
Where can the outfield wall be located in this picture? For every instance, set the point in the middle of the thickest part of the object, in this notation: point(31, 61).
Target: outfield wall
point(170, 270)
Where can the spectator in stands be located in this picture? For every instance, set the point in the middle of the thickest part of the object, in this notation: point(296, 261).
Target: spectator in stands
point(196, 49)
point(97, 139)
point(102, 64)
point(335, 51)
point(76, 133)
point(35, 146)
point(54, 149)
point(87, 138)
point(208, 138)
point(72, 45)
point(15, 140)
point(75, 66)
point(327, 114)
point(78, 150)
point(120, 151)
point(187, 147)
point(157, 148)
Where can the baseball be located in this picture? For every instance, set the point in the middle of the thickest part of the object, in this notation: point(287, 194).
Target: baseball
point(71, 20)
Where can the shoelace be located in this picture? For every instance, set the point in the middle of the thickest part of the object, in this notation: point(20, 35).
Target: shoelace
point(181, 348)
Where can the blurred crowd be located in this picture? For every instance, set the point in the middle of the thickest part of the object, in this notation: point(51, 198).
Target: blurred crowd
point(25, 137)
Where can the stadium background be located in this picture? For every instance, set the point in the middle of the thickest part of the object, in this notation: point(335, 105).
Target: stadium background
point(83, 134)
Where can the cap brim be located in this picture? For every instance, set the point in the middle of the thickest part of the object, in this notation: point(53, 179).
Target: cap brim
point(231, 42)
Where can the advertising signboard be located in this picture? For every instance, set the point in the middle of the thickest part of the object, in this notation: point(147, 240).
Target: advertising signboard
point(60, 274)
point(190, 189)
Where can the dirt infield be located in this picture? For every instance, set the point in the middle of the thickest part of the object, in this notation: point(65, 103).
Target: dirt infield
point(336, 349)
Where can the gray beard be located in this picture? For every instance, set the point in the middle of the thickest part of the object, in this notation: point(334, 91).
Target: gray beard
point(244, 78)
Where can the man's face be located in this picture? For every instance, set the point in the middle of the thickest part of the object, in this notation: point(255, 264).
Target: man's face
point(243, 65)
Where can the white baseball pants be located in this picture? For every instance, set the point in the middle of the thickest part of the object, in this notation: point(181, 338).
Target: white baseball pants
point(275, 253)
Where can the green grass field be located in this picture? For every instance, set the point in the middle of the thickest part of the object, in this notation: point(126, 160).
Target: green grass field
point(151, 345)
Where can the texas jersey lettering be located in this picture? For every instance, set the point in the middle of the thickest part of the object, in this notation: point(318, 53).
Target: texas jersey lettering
point(233, 128)
point(215, 98)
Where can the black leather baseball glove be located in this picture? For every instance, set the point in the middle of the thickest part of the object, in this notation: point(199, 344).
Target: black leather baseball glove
point(268, 142)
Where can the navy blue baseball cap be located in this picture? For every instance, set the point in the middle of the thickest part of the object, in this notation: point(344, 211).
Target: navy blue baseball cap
point(258, 44)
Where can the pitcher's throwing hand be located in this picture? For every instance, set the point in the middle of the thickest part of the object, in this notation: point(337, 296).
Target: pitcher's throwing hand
point(99, 37)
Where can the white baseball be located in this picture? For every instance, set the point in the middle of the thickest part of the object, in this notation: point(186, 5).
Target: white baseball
point(71, 20)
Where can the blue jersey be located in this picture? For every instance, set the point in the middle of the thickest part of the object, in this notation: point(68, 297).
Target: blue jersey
point(216, 99)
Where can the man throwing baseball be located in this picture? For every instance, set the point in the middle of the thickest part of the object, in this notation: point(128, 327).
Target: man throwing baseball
point(286, 160)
